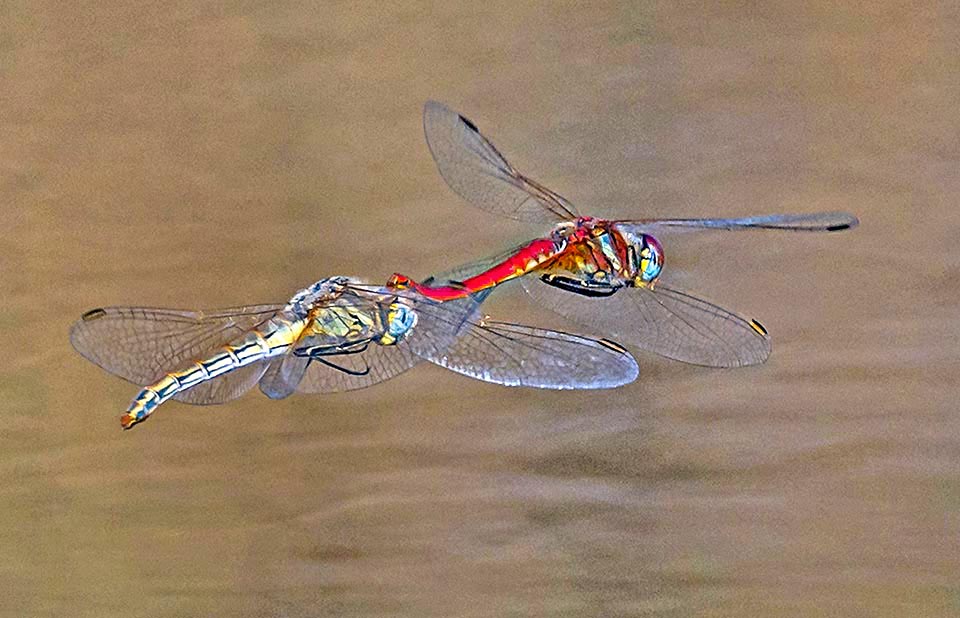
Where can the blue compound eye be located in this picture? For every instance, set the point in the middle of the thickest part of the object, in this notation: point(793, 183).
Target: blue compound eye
point(402, 321)
point(650, 258)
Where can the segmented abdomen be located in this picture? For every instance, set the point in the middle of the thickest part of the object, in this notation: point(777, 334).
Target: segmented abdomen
point(528, 258)
point(273, 339)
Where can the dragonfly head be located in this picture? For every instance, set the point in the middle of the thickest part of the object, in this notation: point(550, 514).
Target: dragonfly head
point(644, 257)
point(401, 319)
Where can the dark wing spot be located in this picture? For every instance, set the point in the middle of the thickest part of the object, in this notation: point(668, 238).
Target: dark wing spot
point(613, 345)
point(93, 314)
point(470, 124)
point(757, 326)
point(837, 228)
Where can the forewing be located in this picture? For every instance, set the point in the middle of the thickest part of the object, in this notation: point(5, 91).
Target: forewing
point(517, 355)
point(478, 173)
point(813, 222)
point(141, 344)
point(663, 321)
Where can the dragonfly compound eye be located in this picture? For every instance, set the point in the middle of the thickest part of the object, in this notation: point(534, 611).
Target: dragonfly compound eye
point(649, 256)
point(400, 321)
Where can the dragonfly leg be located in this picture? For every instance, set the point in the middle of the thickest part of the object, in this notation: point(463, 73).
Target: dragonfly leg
point(580, 286)
point(332, 365)
point(340, 349)
point(319, 352)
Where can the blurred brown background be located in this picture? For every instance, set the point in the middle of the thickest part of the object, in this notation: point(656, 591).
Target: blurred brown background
point(201, 157)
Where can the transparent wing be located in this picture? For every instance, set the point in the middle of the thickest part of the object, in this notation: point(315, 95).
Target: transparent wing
point(226, 387)
point(663, 321)
point(813, 222)
point(517, 355)
point(141, 344)
point(478, 173)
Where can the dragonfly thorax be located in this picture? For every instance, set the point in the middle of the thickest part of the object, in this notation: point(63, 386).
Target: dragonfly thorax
point(342, 323)
point(323, 290)
point(578, 229)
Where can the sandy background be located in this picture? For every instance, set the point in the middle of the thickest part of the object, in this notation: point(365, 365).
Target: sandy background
point(185, 157)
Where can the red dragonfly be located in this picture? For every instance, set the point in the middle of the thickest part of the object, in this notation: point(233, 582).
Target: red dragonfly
point(584, 262)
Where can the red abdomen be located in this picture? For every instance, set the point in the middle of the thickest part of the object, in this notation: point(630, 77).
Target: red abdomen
point(526, 259)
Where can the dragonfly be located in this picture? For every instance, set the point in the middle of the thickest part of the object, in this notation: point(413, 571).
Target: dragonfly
point(335, 335)
point(585, 263)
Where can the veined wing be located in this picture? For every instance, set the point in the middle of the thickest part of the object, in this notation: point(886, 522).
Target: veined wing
point(142, 344)
point(813, 222)
point(517, 355)
point(664, 321)
point(478, 173)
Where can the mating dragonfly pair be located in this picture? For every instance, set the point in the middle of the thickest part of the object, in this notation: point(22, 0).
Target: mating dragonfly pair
point(340, 334)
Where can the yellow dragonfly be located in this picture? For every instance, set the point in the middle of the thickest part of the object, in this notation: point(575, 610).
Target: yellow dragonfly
point(335, 335)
